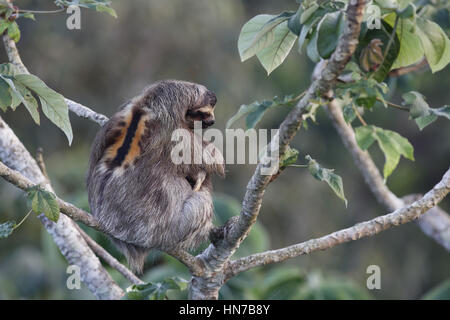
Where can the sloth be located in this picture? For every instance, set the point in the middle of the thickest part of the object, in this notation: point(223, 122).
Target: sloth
point(140, 197)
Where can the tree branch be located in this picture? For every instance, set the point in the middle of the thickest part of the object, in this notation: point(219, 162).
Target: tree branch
point(376, 184)
point(75, 107)
point(361, 230)
point(14, 177)
point(64, 233)
point(109, 259)
point(216, 255)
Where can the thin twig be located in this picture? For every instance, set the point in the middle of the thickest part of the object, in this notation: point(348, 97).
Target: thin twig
point(393, 105)
point(358, 115)
point(41, 11)
point(17, 179)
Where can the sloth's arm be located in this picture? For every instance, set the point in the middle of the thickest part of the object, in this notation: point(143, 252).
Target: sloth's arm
point(200, 178)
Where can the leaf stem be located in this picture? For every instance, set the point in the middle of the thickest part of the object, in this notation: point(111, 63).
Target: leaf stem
point(393, 105)
point(41, 11)
point(360, 118)
point(298, 165)
point(24, 218)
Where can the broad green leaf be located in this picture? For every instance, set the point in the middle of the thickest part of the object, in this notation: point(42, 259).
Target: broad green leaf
point(53, 104)
point(391, 143)
point(44, 202)
point(411, 50)
point(308, 13)
point(15, 95)
point(14, 31)
point(435, 44)
point(421, 112)
point(254, 111)
point(5, 95)
point(6, 229)
point(311, 48)
point(327, 175)
point(329, 30)
point(274, 54)
point(294, 21)
point(28, 100)
point(248, 35)
point(306, 29)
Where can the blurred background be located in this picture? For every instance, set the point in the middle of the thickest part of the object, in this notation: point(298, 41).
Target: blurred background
point(110, 60)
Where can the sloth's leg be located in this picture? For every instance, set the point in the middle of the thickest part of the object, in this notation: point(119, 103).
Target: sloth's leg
point(195, 221)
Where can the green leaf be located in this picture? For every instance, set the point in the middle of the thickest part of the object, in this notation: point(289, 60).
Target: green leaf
point(294, 21)
point(274, 54)
point(421, 112)
point(289, 157)
point(107, 9)
point(311, 48)
point(44, 202)
point(28, 100)
point(256, 110)
point(305, 32)
point(391, 143)
point(28, 15)
point(256, 35)
point(349, 113)
point(387, 4)
point(155, 291)
point(327, 175)
point(4, 24)
point(14, 31)
point(328, 31)
point(308, 12)
point(6, 229)
point(411, 50)
point(435, 44)
point(5, 95)
point(53, 104)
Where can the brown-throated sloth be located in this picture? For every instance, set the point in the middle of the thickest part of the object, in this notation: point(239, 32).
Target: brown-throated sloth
point(141, 198)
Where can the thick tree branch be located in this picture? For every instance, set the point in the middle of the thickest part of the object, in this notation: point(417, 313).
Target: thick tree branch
point(215, 256)
point(64, 233)
point(361, 230)
point(375, 182)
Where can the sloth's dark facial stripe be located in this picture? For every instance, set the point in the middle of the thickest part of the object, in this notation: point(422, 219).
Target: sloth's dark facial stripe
point(126, 145)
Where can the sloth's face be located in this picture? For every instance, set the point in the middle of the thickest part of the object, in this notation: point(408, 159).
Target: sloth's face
point(202, 110)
